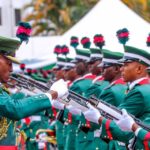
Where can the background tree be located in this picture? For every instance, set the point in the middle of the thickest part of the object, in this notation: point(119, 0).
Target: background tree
point(56, 16)
point(141, 7)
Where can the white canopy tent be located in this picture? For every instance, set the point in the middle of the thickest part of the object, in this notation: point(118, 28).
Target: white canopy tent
point(38, 52)
point(105, 18)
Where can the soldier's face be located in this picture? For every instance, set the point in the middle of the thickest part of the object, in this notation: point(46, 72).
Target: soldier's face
point(5, 69)
point(130, 71)
point(71, 74)
point(59, 74)
point(95, 69)
point(108, 73)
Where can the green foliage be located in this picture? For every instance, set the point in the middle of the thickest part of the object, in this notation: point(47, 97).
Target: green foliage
point(141, 7)
point(58, 15)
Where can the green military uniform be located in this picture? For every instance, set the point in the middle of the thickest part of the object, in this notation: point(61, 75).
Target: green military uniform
point(79, 86)
point(86, 140)
point(15, 108)
point(88, 136)
point(144, 137)
point(38, 121)
point(96, 88)
point(113, 93)
point(136, 100)
point(60, 127)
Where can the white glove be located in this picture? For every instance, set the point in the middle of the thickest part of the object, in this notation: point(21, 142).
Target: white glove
point(73, 110)
point(41, 145)
point(92, 114)
point(58, 105)
point(126, 122)
point(61, 88)
point(42, 135)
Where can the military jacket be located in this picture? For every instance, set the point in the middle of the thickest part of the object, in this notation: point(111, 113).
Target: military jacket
point(137, 103)
point(12, 109)
point(114, 93)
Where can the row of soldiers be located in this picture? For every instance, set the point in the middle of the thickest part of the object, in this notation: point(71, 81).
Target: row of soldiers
point(119, 79)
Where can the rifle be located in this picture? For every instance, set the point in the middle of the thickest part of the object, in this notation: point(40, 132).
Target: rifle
point(113, 113)
point(107, 110)
point(28, 83)
point(73, 99)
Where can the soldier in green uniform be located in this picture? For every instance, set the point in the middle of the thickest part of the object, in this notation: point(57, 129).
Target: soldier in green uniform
point(114, 93)
point(59, 73)
point(79, 85)
point(84, 80)
point(111, 93)
point(137, 98)
point(15, 109)
point(98, 83)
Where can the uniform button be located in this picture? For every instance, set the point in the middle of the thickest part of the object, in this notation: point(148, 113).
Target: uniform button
point(84, 137)
point(97, 148)
point(76, 134)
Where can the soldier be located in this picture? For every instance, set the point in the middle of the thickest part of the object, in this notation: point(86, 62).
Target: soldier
point(15, 109)
point(84, 78)
point(58, 72)
point(69, 71)
point(112, 74)
point(95, 60)
point(113, 93)
point(137, 98)
point(98, 83)
point(79, 85)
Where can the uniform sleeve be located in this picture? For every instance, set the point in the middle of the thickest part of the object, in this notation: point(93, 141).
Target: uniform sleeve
point(112, 132)
point(16, 109)
point(18, 95)
point(143, 136)
point(76, 89)
point(109, 97)
point(90, 91)
point(133, 103)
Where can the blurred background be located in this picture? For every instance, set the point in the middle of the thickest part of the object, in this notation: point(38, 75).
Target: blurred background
point(54, 17)
point(55, 21)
